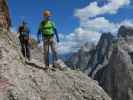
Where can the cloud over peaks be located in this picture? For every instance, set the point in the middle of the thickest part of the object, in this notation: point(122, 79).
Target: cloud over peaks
point(92, 10)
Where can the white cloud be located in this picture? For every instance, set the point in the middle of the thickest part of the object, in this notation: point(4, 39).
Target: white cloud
point(90, 28)
point(67, 47)
point(82, 35)
point(92, 10)
point(91, 25)
point(99, 24)
point(88, 31)
point(73, 41)
point(127, 23)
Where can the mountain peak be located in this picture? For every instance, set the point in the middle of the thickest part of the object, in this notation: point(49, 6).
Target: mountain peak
point(125, 31)
point(106, 38)
point(87, 47)
point(106, 35)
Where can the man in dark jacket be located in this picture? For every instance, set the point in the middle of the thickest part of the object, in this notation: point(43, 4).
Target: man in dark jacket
point(24, 37)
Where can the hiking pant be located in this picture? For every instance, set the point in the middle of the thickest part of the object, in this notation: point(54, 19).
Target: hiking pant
point(49, 43)
point(25, 47)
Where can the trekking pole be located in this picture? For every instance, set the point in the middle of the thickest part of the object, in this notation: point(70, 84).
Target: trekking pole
point(25, 52)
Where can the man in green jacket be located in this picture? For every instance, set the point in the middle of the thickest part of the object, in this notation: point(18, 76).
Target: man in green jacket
point(47, 29)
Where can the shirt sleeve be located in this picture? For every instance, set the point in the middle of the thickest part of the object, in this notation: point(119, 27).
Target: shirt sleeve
point(29, 32)
point(55, 31)
point(39, 31)
point(40, 26)
point(54, 26)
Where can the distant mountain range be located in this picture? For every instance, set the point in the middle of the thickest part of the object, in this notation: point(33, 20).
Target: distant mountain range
point(110, 62)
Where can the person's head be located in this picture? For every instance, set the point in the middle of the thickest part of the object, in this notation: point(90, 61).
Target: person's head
point(47, 14)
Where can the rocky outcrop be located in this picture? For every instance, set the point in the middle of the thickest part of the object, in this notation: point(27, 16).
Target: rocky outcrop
point(101, 56)
point(22, 81)
point(91, 59)
point(112, 63)
point(5, 21)
point(80, 59)
point(125, 31)
point(37, 54)
point(117, 77)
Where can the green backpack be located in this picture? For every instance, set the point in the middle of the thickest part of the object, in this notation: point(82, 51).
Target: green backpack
point(47, 28)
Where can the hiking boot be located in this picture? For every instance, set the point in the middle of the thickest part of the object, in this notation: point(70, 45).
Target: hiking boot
point(53, 68)
point(46, 67)
point(29, 59)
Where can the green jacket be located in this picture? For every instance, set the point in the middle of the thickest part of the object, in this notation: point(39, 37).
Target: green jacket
point(47, 28)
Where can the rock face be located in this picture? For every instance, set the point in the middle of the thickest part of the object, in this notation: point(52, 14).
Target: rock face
point(80, 59)
point(37, 54)
point(117, 77)
point(21, 81)
point(91, 59)
point(100, 57)
point(125, 31)
point(5, 21)
point(112, 64)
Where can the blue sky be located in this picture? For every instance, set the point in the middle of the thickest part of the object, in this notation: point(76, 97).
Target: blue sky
point(77, 21)
point(31, 11)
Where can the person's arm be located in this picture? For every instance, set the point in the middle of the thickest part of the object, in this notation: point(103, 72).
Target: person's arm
point(55, 32)
point(38, 36)
point(29, 33)
point(39, 33)
point(29, 37)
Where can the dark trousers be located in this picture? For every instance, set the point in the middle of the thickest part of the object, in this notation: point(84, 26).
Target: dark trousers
point(25, 47)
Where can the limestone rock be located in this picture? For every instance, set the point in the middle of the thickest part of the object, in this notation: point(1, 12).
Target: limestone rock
point(21, 81)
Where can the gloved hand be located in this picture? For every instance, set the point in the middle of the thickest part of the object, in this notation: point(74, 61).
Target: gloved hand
point(30, 41)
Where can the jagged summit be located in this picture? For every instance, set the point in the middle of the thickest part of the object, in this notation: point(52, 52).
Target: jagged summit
point(87, 47)
point(105, 40)
point(90, 57)
point(111, 64)
point(125, 31)
point(99, 58)
point(79, 60)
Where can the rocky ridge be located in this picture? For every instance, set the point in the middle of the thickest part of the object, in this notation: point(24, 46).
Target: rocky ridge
point(22, 81)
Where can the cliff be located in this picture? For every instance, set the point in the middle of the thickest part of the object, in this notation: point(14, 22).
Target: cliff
point(29, 81)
